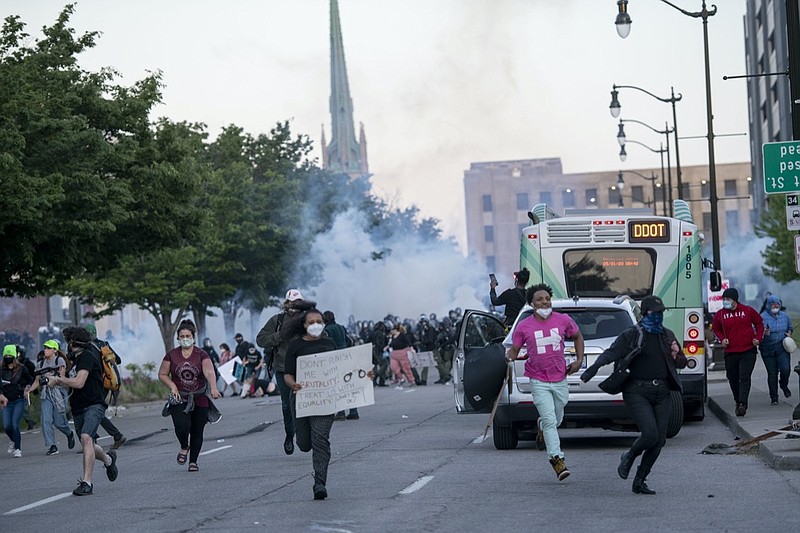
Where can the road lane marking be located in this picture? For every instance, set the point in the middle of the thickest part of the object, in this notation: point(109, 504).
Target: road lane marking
point(40, 502)
point(418, 484)
point(480, 439)
point(216, 449)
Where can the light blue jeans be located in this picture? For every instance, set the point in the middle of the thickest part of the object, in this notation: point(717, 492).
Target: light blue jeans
point(550, 399)
point(51, 416)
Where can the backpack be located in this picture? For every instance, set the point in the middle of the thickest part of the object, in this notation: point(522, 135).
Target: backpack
point(108, 359)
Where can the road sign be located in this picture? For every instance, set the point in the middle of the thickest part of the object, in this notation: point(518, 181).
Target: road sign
point(792, 212)
point(797, 253)
point(781, 167)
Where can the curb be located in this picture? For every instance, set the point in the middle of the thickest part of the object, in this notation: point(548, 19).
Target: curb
point(773, 458)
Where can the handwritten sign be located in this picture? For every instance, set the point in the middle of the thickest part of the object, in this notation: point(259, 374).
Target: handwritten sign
point(422, 359)
point(334, 381)
point(226, 370)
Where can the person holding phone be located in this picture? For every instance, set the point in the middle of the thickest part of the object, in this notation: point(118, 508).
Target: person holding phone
point(514, 299)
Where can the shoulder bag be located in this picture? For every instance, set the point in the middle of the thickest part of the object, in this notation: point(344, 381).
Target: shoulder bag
point(613, 384)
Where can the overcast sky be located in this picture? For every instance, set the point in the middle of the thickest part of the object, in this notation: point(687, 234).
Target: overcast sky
point(438, 84)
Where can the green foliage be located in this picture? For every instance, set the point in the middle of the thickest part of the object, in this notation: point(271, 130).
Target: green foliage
point(779, 255)
point(141, 386)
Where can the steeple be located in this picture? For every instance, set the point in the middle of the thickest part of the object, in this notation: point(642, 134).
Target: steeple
point(343, 154)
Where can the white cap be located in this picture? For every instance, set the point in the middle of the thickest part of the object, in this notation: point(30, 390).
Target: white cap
point(292, 295)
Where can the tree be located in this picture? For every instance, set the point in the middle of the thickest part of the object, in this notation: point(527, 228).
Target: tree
point(779, 255)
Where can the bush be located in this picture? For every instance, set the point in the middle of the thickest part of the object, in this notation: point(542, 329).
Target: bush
point(140, 385)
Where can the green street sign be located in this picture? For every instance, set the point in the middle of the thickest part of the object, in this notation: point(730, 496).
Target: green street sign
point(781, 167)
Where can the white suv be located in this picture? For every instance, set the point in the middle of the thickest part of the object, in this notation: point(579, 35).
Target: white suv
point(600, 321)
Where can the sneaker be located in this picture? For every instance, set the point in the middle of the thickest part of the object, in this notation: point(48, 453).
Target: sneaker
point(17, 453)
point(741, 409)
point(774, 402)
point(320, 493)
point(352, 416)
point(118, 443)
point(71, 440)
point(540, 444)
point(559, 467)
point(339, 416)
point(786, 392)
point(11, 447)
point(53, 450)
point(288, 445)
point(111, 470)
point(83, 489)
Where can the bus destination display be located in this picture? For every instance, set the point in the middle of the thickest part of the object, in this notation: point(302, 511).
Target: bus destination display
point(648, 231)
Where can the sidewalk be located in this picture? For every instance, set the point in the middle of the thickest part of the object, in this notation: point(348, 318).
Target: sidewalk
point(778, 452)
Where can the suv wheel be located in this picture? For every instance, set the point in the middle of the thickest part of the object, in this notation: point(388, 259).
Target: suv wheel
point(676, 414)
point(505, 438)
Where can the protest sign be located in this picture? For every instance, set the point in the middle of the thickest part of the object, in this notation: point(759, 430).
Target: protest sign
point(226, 370)
point(422, 359)
point(334, 381)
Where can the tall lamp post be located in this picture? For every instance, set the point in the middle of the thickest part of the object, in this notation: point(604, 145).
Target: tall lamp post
point(621, 139)
point(652, 179)
point(615, 108)
point(623, 22)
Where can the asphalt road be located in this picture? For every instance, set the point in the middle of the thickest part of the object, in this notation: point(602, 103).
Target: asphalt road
point(410, 464)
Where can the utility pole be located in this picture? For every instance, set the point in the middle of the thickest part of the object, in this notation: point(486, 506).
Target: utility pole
point(793, 38)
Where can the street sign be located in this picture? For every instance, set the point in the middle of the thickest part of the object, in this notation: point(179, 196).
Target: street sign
point(781, 167)
point(792, 212)
point(797, 253)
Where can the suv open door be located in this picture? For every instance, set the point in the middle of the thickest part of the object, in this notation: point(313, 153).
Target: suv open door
point(477, 330)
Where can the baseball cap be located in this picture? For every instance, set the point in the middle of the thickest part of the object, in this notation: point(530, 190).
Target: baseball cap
point(292, 295)
point(10, 350)
point(652, 303)
point(52, 343)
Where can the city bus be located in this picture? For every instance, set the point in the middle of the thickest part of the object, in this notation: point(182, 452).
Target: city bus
point(594, 253)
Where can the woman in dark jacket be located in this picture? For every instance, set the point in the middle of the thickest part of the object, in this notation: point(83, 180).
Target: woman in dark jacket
point(647, 391)
point(16, 390)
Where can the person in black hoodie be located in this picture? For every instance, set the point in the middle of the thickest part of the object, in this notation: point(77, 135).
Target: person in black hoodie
point(16, 390)
point(514, 299)
point(646, 393)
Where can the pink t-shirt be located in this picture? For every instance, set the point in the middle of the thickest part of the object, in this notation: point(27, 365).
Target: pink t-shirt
point(545, 342)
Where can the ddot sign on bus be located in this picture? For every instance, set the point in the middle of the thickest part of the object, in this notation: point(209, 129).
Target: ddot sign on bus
point(781, 167)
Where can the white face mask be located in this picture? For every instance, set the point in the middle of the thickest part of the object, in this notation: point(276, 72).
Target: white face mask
point(544, 312)
point(186, 343)
point(775, 310)
point(315, 330)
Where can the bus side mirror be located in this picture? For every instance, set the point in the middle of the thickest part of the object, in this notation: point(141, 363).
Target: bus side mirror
point(715, 280)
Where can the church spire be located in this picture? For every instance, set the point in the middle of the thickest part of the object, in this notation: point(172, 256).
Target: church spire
point(343, 154)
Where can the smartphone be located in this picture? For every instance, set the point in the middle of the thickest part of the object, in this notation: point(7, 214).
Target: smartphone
point(493, 279)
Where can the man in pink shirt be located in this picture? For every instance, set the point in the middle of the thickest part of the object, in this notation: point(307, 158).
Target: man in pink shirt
point(543, 333)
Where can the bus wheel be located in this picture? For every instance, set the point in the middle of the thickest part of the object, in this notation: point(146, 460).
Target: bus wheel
point(676, 413)
point(505, 438)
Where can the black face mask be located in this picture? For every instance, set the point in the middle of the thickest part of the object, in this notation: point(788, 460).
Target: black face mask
point(8, 360)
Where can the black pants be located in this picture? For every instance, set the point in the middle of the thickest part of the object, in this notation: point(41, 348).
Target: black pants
point(738, 369)
point(649, 406)
point(286, 403)
point(189, 428)
point(110, 428)
point(314, 433)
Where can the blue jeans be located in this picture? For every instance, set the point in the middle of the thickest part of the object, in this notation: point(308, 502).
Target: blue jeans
point(89, 420)
point(778, 362)
point(550, 399)
point(12, 416)
point(51, 416)
point(286, 403)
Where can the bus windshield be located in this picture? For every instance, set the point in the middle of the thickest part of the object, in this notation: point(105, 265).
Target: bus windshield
point(609, 272)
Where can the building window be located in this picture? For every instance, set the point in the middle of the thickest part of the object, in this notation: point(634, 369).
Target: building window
point(732, 222)
point(750, 188)
point(522, 201)
point(686, 191)
point(706, 222)
point(490, 263)
point(730, 187)
point(488, 233)
point(487, 203)
point(591, 197)
point(659, 194)
point(613, 196)
point(546, 197)
point(774, 92)
point(705, 189)
point(637, 193)
point(568, 198)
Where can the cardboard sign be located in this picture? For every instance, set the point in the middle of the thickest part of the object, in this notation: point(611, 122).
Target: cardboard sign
point(715, 297)
point(422, 359)
point(334, 381)
point(226, 370)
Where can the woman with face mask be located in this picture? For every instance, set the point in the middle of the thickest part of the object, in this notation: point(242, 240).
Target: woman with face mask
point(189, 374)
point(646, 393)
point(54, 399)
point(17, 383)
point(777, 326)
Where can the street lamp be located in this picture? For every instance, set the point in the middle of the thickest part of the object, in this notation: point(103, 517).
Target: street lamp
point(624, 20)
point(615, 108)
point(623, 156)
point(652, 179)
point(666, 131)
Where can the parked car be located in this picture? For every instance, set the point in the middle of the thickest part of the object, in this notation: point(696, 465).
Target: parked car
point(600, 321)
